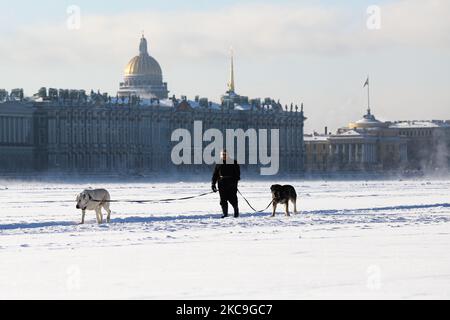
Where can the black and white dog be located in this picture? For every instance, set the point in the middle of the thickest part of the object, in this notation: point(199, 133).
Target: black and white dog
point(282, 195)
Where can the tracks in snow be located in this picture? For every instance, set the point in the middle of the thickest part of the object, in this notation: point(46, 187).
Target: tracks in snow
point(420, 213)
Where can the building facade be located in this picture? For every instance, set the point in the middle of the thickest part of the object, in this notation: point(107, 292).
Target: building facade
point(372, 145)
point(428, 143)
point(72, 131)
point(76, 136)
point(17, 136)
point(365, 145)
point(317, 152)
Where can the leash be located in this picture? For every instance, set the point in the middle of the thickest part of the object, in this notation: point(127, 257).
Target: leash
point(151, 201)
point(122, 201)
point(155, 201)
point(256, 211)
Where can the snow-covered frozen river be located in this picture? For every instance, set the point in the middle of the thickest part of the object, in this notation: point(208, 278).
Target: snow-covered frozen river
point(379, 239)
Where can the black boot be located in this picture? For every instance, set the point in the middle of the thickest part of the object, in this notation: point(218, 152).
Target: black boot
point(236, 212)
point(225, 212)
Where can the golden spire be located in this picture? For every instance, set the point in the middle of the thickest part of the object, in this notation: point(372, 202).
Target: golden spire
point(231, 83)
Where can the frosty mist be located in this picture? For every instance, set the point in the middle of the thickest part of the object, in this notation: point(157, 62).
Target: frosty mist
point(190, 149)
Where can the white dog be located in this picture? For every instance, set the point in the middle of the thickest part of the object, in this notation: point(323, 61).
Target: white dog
point(94, 200)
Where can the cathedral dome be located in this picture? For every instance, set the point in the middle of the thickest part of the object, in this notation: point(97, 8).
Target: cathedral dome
point(143, 64)
point(143, 77)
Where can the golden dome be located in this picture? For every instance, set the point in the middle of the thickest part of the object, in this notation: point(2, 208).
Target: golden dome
point(143, 64)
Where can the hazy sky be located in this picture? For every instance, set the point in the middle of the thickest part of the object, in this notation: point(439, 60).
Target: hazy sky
point(316, 52)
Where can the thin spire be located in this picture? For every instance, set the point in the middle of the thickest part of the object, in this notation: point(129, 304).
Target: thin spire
point(231, 87)
point(367, 84)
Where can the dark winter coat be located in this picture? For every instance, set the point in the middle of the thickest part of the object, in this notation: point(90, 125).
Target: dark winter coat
point(224, 173)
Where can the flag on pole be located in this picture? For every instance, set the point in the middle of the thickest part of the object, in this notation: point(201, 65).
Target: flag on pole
point(366, 83)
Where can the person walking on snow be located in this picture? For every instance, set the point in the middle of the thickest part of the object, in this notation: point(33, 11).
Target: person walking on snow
point(227, 174)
